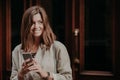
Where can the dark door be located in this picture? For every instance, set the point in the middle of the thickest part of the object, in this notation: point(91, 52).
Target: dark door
point(94, 31)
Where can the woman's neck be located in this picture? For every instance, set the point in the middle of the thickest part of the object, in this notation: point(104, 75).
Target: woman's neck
point(37, 41)
point(35, 45)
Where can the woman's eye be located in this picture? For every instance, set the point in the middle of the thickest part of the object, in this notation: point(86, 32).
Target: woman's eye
point(40, 22)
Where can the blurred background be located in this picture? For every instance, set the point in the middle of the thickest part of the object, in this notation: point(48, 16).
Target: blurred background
point(88, 28)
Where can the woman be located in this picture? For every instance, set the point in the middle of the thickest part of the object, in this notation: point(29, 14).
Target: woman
point(50, 59)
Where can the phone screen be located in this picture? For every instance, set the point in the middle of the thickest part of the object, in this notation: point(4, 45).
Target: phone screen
point(27, 56)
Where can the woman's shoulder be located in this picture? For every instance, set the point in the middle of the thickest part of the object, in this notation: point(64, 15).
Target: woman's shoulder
point(60, 49)
point(16, 49)
point(58, 45)
point(16, 53)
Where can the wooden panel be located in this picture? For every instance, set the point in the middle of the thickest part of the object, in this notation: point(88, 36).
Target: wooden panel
point(8, 36)
point(69, 23)
point(116, 24)
point(28, 3)
point(100, 74)
point(0, 40)
point(82, 26)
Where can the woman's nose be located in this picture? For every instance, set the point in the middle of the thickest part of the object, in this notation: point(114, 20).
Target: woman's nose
point(36, 25)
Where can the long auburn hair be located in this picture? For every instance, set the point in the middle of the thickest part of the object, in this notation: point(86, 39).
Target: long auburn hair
point(27, 40)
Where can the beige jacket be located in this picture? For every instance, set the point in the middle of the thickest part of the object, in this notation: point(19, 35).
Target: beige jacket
point(56, 61)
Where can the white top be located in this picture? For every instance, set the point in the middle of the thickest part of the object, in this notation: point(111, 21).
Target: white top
point(55, 60)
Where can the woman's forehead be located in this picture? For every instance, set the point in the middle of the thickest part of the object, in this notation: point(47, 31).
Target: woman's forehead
point(37, 17)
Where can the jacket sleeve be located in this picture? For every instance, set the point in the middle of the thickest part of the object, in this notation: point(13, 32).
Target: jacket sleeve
point(14, 72)
point(64, 71)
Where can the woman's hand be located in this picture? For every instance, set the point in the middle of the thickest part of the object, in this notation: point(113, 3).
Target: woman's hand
point(37, 68)
point(32, 65)
point(25, 67)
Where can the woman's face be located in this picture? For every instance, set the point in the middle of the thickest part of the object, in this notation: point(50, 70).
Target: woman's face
point(37, 26)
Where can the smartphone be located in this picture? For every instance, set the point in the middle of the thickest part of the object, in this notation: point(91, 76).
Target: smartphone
point(27, 56)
